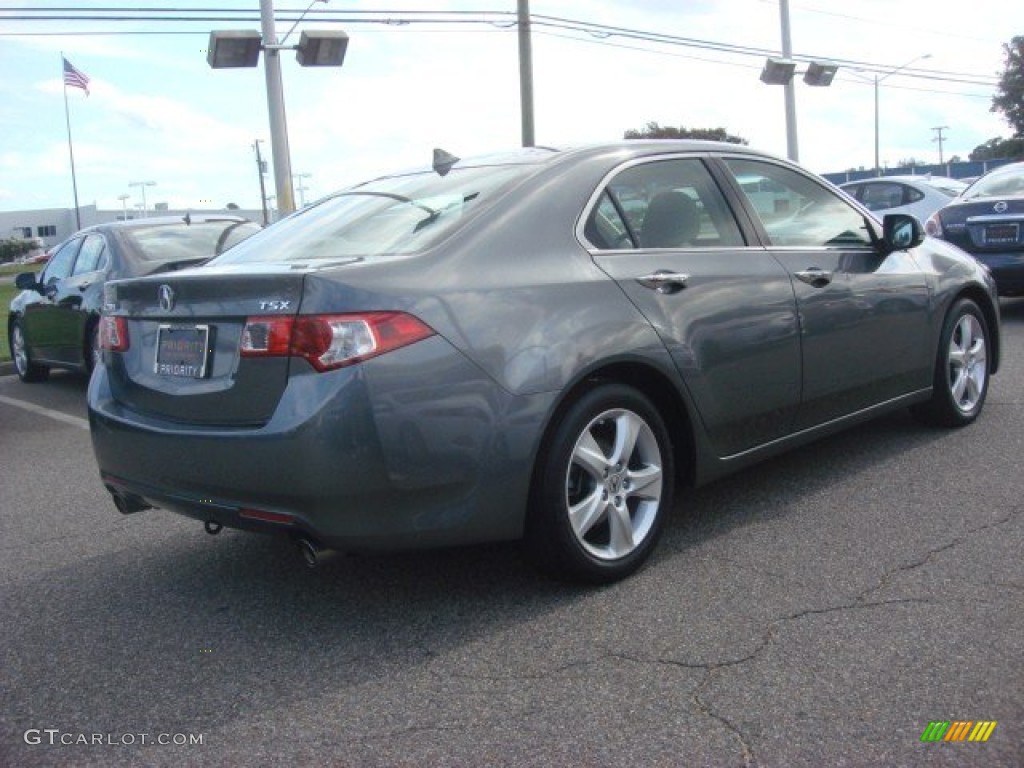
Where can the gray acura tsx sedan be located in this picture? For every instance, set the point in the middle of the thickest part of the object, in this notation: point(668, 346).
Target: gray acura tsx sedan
point(535, 345)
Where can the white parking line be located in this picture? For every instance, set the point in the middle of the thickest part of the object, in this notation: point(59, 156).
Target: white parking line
point(76, 421)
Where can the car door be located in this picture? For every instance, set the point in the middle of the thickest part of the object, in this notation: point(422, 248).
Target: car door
point(863, 313)
point(80, 295)
point(724, 310)
point(47, 331)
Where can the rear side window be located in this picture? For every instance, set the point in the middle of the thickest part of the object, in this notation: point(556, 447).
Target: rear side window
point(396, 215)
point(662, 204)
point(93, 255)
point(880, 195)
point(795, 210)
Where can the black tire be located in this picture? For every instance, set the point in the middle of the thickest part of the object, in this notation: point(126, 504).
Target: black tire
point(961, 369)
point(622, 494)
point(27, 370)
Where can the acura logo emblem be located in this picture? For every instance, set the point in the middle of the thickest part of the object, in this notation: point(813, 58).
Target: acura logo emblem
point(166, 294)
point(1000, 207)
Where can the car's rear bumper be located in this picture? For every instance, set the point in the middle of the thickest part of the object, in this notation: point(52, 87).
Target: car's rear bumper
point(367, 457)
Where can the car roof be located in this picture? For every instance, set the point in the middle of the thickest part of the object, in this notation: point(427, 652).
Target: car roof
point(922, 179)
point(627, 148)
point(193, 218)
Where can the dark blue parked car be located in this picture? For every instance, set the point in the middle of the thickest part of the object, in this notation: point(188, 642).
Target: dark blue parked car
point(987, 221)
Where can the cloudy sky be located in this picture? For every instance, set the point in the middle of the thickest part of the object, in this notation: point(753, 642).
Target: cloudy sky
point(157, 112)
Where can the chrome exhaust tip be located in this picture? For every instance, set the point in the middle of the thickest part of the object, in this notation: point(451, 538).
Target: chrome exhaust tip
point(313, 554)
point(127, 503)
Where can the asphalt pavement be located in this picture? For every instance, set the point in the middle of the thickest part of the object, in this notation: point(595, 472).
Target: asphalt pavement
point(820, 609)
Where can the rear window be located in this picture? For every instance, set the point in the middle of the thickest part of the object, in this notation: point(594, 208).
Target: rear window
point(397, 215)
point(181, 242)
point(1000, 183)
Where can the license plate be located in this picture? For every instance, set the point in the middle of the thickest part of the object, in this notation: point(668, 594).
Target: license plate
point(997, 234)
point(182, 350)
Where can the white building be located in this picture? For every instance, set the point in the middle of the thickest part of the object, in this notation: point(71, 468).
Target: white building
point(54, 225)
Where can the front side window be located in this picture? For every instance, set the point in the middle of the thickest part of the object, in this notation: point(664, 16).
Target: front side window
point(662, 204)
point(61, 261)
point(795, 210)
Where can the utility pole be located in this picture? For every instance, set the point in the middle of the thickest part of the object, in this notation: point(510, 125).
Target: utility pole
point(261, 168)
point(938, 137)
point(525, 73)
point(792, 144)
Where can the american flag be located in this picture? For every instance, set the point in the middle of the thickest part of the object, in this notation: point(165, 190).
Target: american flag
point(75, 78)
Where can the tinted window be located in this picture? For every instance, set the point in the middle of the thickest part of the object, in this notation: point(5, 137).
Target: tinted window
point(663, 204)
point(61, 261)
point(796, 210)
point(911, 195)
point(178, 241)
point(396, 215)
point(92, 256)
point(879, 195)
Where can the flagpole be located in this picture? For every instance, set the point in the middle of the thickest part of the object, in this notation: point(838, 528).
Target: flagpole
point(71, 151)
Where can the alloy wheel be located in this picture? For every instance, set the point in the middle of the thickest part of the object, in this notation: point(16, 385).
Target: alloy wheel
point(968, 363)
point(614, 484)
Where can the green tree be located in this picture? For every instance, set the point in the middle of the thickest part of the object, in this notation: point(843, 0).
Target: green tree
point(655, 131)
point(1009, 98)
point(997, 149)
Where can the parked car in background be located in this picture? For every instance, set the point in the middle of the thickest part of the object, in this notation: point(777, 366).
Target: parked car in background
point(54, 321)
point(919, 196)
point(501, 348)
point(987, 221)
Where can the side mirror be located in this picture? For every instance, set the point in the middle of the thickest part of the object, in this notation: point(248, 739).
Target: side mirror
point(26, 281)
point(901, 231)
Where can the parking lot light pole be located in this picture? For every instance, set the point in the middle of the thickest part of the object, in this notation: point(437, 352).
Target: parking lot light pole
point(301, 187)
point(792, 147)
point(275, 105)
point(878, 167)
point(143, 185)
point(234, 48)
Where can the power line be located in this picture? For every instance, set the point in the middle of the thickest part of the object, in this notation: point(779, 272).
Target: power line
point(500, 19)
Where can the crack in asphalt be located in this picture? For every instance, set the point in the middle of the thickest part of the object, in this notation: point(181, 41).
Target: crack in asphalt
point(889, 575)
point(771, 630)
point(769, 636)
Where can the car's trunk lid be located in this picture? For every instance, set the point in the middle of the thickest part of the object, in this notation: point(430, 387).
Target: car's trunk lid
point(184, 331)
point(987, 224)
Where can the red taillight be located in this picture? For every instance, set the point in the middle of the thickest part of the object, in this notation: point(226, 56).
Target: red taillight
point(331, 341)
point(114, 334)
point(267, 517)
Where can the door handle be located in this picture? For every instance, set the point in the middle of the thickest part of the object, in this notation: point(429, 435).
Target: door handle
point(664, 281)
point(815, 277)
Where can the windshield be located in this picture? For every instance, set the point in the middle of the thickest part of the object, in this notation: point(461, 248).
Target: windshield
point(999, 183)
point(178, 241)
point(396, 215)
